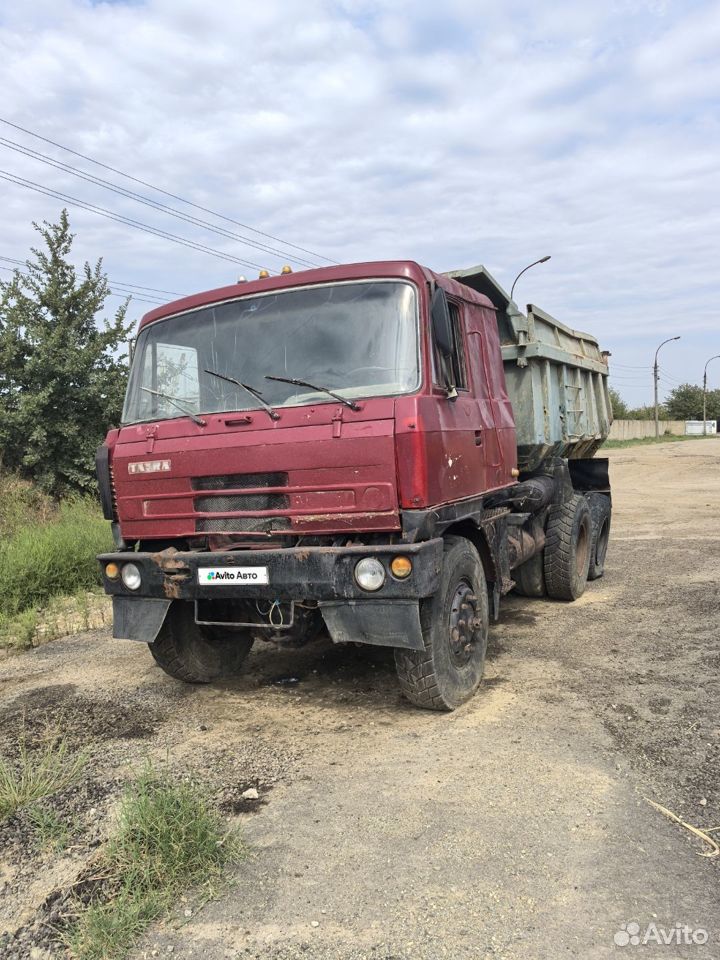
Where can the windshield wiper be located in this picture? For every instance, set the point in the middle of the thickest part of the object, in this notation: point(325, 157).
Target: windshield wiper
point(251, 390)
point(176, 403)
point(312, 386)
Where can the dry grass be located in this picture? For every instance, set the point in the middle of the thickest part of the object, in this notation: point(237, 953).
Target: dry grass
point(35, 774)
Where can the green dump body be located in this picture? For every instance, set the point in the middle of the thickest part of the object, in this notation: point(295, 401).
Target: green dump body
point(557, 378)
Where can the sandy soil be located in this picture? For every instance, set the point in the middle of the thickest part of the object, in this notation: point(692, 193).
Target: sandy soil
point(513, 828)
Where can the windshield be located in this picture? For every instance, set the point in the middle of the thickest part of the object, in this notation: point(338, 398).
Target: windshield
point(354, 339)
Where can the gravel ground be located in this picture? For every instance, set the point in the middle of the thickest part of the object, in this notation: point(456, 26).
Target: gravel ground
point(513, 828)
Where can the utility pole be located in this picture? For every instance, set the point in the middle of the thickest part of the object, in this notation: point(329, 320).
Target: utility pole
point(716, 357)
point(655, 377)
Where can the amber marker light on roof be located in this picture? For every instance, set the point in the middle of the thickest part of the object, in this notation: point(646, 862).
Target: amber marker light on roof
point(264, 274)
point(286, 269)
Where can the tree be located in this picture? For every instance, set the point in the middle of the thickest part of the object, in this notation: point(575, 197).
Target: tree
point(619, 407)
point(686, 403)
point(61, 379)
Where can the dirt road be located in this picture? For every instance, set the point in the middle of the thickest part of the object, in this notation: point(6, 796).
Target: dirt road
point(513, 828)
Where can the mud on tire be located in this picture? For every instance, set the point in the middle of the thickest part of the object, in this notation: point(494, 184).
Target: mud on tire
point(568, 541)
point(448, 671)
point(529, 577)
point(197, 654)
point(600, 511)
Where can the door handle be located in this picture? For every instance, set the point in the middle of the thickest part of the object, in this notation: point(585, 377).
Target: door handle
point(478, 438)
point(236, 421)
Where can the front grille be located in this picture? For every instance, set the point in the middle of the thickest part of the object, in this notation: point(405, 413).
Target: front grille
point(240, 481)
point(238, 502)
point(241, 524)
point(258, 503)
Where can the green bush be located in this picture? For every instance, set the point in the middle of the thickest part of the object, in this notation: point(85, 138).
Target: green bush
point(43, 560)
point(21, 503)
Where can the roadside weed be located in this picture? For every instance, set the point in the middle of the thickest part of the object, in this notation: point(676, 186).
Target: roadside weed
point(35, 774)
point(166, 839)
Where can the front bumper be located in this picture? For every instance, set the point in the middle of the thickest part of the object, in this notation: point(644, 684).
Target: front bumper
point(297, 573)
point(387, 617)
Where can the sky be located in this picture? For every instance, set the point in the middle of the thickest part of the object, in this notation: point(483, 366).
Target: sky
point(452, 134)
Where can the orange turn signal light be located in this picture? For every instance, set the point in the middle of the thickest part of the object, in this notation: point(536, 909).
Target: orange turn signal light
point(112, 571)
point(401, 567)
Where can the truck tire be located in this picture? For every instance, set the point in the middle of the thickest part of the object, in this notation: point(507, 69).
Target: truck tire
point(455, 624)
point(529, 577)
point(197, 654)
point(600, 511)
point(568, 540)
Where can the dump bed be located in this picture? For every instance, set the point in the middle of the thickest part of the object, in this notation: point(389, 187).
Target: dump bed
point(557, 378)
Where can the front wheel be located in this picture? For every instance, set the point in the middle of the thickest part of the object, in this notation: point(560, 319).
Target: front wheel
point(195, 654)
point(455, 624)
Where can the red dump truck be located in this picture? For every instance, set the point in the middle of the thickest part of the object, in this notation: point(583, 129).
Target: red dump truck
point(373, 449)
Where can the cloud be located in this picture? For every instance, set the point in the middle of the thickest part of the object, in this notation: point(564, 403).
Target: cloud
point(477, 133)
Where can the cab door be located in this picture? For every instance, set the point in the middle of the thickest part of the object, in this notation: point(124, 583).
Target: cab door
point(463, 451)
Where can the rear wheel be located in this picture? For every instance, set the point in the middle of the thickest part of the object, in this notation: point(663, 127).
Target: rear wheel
point(455, 624)
point(600, 511)
point(568, 541)
point(197, 654)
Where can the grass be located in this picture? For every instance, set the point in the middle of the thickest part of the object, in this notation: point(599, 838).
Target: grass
point(51, 831)
point(60, 616)
point(166, 840)
point(46, 551)
point(37, 773)
point(56, 557)
point(645, 441)
point(21, 503)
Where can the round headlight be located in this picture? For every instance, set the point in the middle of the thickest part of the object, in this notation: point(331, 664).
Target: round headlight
point(131, 576)
point(370, 574)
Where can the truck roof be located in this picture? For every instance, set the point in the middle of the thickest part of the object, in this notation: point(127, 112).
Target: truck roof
point(401, 269)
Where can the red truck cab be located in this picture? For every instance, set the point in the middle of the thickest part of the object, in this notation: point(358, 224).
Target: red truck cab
point(295, 453)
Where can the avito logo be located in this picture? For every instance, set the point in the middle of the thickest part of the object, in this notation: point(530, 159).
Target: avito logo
point(219, 576)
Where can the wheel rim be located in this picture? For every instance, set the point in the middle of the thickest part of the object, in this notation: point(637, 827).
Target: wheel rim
point(582, 550)
point(463, 624)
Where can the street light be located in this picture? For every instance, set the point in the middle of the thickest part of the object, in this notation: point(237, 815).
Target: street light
point(716, 357)
point(533, 264)
point(655, 374)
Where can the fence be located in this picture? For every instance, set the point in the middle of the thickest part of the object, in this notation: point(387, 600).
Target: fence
point(637, 429)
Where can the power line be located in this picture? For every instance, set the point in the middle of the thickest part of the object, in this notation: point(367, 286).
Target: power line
point(116, 283)
point(153, 204)
point(127, 221)
point(123, 296)
point(166, 193)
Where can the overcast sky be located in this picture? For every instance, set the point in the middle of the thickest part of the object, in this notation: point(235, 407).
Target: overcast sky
point(453, 134)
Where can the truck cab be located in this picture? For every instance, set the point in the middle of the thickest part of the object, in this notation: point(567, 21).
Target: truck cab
point(303, 452)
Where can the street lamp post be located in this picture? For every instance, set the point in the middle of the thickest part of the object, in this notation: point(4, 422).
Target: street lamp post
point(533, 264)
point(655, 377)
point(716, 357)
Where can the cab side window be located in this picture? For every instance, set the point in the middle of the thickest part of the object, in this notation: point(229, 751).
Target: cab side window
point(458, 355)
point(452, 369)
